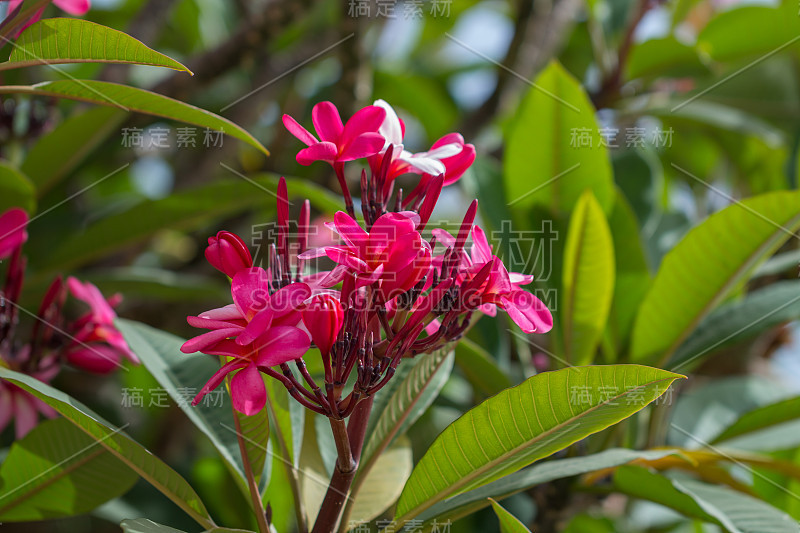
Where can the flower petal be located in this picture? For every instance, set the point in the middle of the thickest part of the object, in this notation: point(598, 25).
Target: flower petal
point(327, 122)
point(248, 393)
point(322, 151)
point(258, 325)
point(391, 128)
point(96, 358)
point(528, 312)
point(366, 120)
point(73, 7)
point(299, 131)
point(282, 344)
point(218, 378)
point(201, 342)
point(26, 415)
point(364, 145)
point(353, 234)
point(250, 291)
point(12, 227)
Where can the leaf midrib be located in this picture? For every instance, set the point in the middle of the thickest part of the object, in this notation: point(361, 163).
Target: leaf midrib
point(735, 278)
point(480, 470)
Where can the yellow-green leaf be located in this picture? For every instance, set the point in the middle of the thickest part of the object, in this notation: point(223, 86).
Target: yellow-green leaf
point(133, 454)
point(555, 151)
point(588, 280)
point(508, 522)
point(134, 99)
point(69, 40)
point(523, 424)
point(712, 259)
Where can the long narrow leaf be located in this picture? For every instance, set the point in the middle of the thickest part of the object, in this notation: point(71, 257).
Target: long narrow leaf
point(144, 463)
point(68, 40)
point(134, 99)
point(521, 425)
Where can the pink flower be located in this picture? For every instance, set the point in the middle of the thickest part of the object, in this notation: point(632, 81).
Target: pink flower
point(393, 252)
point(98, 346)
point(252, 313)
point(403, 161)
point(228, 253)
point(323, 317)
point(500, 288)
point(276, 345)
point(455, 165)
point(12, 231)
point(257, 330)
point(21, 406)
point(73, 7)
point(337, 142)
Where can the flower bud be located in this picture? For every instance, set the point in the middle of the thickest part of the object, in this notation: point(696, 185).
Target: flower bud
point(323, 317)
point(12, 231)
point(228, 253)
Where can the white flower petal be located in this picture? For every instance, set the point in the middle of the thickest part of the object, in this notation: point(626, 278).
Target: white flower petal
point(390, 129)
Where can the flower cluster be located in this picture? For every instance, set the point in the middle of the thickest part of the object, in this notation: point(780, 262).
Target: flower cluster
point(91, 342)
point(392, 293)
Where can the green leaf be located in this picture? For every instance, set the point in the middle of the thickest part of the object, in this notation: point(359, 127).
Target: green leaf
point(384, 483)
point(141, 461)
point(184, 210)
point(480, 368)
point(632, 277)
point(289, 418)
point(544, 414)
point(407, 396)
point(736, 512)
point(508, 522)
point(761, 418)
point(161, 284)
point(16, 190)
point(640, 482)
point(767, 28)
point(68, 40)
point(57, 153)
point(738, 321)
point(57, 471)
point(182, 376)
point(143, 525)
point(473, 500)
point(665, 57)
point(712, 259)
point(588, 280)
point(542, 164)
point(134, 99)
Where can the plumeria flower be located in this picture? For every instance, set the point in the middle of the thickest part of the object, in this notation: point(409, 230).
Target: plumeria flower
point(393, 252)
point(12, 231)
point(431, 162)
point(253, 311)
point(501, 287)
point(73, 7)
point(338, 142)
point(276, 345)
point(323, 317)
point(98, 345)
point(257, 330)
point(19, 405)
